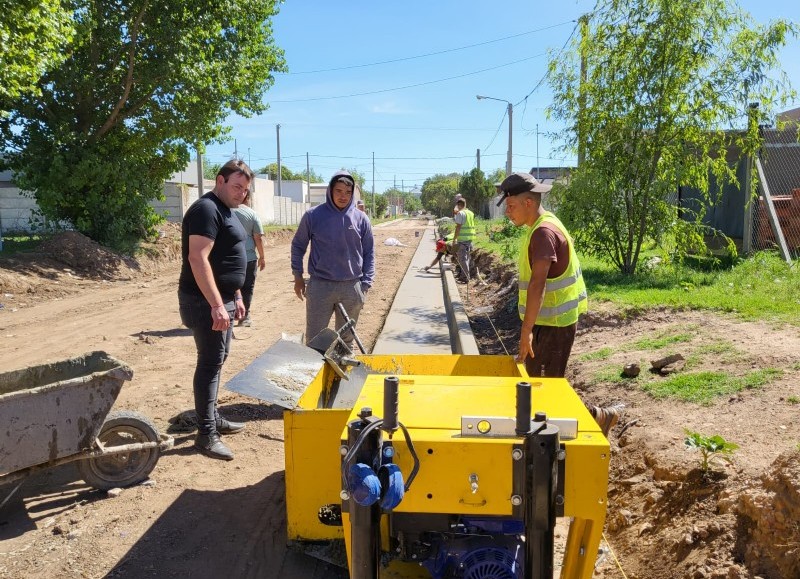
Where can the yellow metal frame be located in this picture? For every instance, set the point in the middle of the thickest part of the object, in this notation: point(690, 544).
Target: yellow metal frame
point(435, 391)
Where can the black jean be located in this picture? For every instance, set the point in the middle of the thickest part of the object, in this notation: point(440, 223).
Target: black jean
point(249, 284)
point(213, 348)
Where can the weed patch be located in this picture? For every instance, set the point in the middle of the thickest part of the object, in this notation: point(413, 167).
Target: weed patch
point(704, 387)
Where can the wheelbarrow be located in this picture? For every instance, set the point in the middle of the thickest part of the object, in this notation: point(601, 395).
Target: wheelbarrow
point(57, 413)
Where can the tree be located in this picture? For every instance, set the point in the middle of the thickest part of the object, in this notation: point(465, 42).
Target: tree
point(210, 170)
point(271, 170)
point(438, 193)
point(665, 90)
point(142, 83)
point(34, 34)
point(475, 188)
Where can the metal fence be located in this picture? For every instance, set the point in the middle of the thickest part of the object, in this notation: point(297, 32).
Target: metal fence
point(775, 215)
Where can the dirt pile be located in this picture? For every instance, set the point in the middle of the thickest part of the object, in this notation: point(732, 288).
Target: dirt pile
point(80, 253)
point(769, 519)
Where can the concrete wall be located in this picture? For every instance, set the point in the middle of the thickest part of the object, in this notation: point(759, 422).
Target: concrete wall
point(16, 210)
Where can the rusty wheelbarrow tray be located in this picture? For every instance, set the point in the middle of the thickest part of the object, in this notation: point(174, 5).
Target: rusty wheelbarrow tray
point(59, 412)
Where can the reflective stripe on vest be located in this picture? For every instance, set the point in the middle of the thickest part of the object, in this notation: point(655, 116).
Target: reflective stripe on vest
point(565, 296)
point(467, 231)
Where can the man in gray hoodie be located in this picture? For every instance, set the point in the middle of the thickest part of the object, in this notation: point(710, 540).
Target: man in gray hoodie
point(341, 264)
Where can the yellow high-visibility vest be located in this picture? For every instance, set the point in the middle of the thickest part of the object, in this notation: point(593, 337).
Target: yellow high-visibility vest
point(467, 231)
point(564, 296)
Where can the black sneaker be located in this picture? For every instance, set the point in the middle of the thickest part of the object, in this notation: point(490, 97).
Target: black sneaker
point(212, 446)
point(228, 427)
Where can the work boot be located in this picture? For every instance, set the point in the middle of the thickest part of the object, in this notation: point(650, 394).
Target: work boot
point(246, 321)
point(606, 417)
point(212, 446)
point(228, 427)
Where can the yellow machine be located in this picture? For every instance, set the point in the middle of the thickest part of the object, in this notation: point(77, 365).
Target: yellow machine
point(437, 466)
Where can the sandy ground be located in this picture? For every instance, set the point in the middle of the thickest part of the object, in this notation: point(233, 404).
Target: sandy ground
point(201, 517)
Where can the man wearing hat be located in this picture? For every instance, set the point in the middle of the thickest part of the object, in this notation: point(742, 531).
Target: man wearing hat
point(360, 206)
point(463, 235)
point(552, 293)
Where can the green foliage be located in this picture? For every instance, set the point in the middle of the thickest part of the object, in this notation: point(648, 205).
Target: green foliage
point(271, 170)
point(438, 193)
point(474, 187)
point(793, 400)
point(210, 170)
point(506, 236)
point(711, 448)
point(141, 84)
point(13, 244)
point(33, 35)
point(404, 199)
point(704, 387)
point(662, 82)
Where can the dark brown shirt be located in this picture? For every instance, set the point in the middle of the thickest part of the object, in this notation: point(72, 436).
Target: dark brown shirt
point(547, 242)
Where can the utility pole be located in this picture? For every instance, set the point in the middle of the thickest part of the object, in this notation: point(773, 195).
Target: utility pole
point(537, 150)
point(308, 177)
point(510, 131)
point(278, 134)
point(584, 24)
point(478, 158)
point(373, 183)
point(199, 172)
point(249, 159)
point(235, 150)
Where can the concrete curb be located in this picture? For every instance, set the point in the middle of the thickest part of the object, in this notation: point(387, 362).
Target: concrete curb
point(461, 337)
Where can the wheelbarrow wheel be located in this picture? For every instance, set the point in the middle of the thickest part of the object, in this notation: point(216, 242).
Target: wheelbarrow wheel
point(123, 469)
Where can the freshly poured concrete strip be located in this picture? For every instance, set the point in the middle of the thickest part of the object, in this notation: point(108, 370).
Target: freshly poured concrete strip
point(426, 316)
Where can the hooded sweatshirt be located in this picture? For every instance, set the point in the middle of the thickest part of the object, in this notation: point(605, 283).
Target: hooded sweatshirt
point(342, 247)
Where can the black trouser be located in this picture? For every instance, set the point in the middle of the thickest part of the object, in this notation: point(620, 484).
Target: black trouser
point(551, 349)
point(213, 348)
point(249, 284)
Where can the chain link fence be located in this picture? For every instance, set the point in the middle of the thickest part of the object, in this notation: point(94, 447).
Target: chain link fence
point(776, 211)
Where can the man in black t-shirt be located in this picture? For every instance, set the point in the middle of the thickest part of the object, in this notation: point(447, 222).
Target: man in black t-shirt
point(209, 294)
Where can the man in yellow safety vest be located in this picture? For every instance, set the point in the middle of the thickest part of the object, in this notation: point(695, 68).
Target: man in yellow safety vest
point(552, 294)
point(463, 235)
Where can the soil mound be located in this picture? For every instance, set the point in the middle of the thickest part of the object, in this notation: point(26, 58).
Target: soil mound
point(77, 251)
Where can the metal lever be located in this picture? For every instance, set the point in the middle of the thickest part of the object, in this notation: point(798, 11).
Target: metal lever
point(352, 325)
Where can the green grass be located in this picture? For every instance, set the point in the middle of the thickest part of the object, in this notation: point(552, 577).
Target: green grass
point(601, 354)
point(704, 387)
point(761, 287)
point(611, 374)
point(659, 342)
point(793, 400)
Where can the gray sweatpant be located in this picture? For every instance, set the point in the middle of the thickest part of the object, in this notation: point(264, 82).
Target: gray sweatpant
point(322, 295)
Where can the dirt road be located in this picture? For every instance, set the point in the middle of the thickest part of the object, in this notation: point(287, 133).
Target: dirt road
point(200, 517)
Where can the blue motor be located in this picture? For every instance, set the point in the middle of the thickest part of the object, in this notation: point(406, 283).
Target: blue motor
point(478, 549)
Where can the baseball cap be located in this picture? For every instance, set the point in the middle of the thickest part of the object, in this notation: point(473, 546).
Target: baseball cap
point(517, 183)
point(360, 203)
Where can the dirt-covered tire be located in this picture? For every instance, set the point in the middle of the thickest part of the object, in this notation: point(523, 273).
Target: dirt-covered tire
point(125, 469)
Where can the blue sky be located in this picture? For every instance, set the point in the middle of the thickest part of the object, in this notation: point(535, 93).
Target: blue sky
point(436, 126)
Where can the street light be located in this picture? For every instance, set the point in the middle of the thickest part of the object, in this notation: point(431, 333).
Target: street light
point(510, 125)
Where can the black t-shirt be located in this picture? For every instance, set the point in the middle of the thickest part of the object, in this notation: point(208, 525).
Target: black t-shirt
point(209, 217)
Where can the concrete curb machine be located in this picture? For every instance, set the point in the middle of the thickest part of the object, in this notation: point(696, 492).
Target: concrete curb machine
point(429, 466)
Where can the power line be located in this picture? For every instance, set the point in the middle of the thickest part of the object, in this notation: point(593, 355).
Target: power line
point(385, 90)
point(486, 148)
point(352, 66)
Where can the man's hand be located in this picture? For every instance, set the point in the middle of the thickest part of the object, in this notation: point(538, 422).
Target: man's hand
point(220, 320)
point(525, 345)
point(240, 309)
point(262, 263)
point(300, 287)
